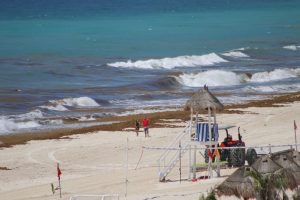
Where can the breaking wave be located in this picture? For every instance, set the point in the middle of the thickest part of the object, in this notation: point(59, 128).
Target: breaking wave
point(166, 82)
point(9, 125)
point(170, 63)
point(228, 78)
point(276, 74)
point(30, 115)
point(211, 78)
point(292, 47)
point(236, 54)
point(62, 104)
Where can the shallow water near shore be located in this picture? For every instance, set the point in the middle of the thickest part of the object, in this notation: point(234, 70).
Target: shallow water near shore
point(89, 59)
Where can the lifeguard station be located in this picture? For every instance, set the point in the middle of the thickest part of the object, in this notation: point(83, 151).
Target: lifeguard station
point(196, 135)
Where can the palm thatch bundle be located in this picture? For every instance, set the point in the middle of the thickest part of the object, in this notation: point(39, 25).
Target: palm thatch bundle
point(202, 100)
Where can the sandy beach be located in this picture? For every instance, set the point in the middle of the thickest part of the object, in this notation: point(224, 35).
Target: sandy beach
point(94, 163)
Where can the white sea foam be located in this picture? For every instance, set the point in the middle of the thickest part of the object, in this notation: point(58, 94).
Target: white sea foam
point(292, 47)
point(76, 102)
point(53, 122)
point(144, 111)
point(9, 125)
point(236, 54)
point(86, 118)
point(57, 107)
point(227, 78)
point(31, 115)
point(211, 78)
point(277, 74)
point(60, 105)
point(169, 63)
point(274, 88)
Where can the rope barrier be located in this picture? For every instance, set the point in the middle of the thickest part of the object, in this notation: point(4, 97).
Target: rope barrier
point(139, 159)
point(201, 148)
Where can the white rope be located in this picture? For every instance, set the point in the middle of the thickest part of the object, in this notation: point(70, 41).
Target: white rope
point(139, 159)
point(173, 195)
point(239, 147)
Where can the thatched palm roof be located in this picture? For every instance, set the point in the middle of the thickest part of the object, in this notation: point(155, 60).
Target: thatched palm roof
point(267, 176)
point(295, 156)
point(288, 176)
point(286, 161)
point(239, 184)
point(202, 100)
point(265, 165)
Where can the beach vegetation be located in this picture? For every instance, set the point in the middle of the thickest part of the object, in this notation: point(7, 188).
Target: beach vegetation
point(210, 196)
point(273, 185)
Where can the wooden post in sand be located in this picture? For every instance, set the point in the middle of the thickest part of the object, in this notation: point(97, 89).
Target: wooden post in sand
point(216, 141)
point(191, 123)
point(210, 142)
point(295, 131)
point(190, 161)
point(194, 165)
point(180, 161)
point(126, 173)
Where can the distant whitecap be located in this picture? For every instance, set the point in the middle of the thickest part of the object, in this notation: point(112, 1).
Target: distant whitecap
point(170, 63)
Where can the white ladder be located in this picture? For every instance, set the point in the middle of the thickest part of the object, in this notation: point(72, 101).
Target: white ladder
point(170, 157)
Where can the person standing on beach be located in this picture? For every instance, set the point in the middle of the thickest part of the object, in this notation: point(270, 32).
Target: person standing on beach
point(146, 123)
point(137, 127)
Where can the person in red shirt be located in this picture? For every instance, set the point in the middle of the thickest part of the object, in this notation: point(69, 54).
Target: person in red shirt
point(146, 123)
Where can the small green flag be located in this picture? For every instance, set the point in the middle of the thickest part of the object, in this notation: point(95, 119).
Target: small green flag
point(52, 187)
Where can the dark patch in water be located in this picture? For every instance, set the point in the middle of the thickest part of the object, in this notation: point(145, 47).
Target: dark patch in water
point(145, 97)
point(102, 102)
point(249, 75)
point(27, 63)
point(54, 73)
point(166, 83)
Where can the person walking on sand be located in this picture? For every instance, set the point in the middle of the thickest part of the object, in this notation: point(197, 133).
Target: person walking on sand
point(137, 127)
point(146, 123)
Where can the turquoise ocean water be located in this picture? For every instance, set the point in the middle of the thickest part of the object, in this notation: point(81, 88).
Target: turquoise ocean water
point(86, 59)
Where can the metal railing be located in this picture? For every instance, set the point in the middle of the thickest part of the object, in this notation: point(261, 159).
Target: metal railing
point(169, 158)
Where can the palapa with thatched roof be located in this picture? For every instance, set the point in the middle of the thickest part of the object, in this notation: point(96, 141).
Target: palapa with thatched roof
point(295, 155)
point(202, 100)
point(267, 178)
point(265, 165)
point(286, 161)
point(239, 184)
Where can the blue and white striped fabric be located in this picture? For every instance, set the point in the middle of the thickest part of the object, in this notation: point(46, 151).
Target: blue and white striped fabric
point(202, 132)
